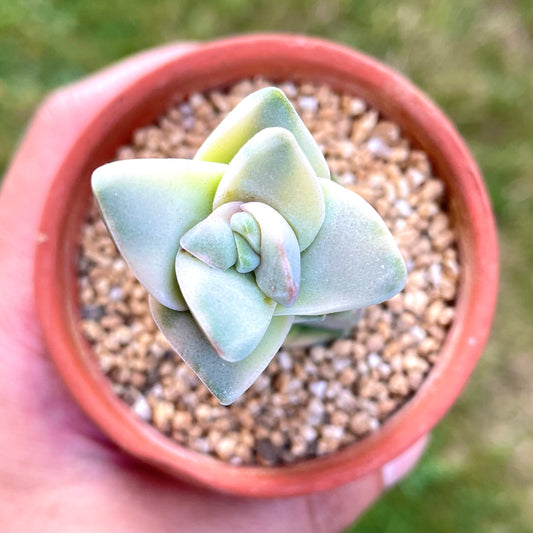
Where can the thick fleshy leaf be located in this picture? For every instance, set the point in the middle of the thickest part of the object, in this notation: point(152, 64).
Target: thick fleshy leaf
point(271, 168)
point(278, 273)
point(353, 262)
point(211, 240)
point(245, 225)
point(309, 319)
point(345, 320)
point(148, 204)
point(312, 329)
point(226, 381)
point(247, 259)
point(228, 306)
point(265, 108)
point(303, 336)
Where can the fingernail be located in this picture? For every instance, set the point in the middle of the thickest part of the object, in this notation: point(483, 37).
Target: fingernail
point(400, 466)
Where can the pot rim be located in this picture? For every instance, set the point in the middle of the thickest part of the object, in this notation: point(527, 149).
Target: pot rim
point(405, 104)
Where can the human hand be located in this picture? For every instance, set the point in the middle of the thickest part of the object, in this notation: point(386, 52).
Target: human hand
point(57, 470)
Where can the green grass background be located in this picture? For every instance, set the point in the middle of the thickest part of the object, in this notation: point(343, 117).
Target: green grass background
point(474, 59)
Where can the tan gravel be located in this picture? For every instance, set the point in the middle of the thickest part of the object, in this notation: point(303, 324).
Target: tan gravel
point(309, 402)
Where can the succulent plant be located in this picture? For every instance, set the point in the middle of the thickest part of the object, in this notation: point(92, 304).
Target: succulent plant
point(250, 237)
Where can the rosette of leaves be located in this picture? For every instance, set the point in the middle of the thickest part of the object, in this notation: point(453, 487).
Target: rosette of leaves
point(246, 239)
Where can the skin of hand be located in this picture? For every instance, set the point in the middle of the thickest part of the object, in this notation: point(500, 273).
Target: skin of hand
point(58, 472)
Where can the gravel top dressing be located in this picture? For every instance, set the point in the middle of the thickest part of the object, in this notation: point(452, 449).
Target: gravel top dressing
point(309, 402)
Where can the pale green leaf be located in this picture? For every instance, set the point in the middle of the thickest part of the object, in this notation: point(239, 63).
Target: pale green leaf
point(247, 259)
point(211, 240)
point(265, 108)
point(228, 306)
point(344, 320)
point(245, 225)
point(226, 381)
point(303, 336)
point(148, 204)
point(353, 262)
point(271, 168)
point(278, 273)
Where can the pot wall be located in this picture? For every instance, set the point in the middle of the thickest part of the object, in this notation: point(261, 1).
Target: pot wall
point(141, 93)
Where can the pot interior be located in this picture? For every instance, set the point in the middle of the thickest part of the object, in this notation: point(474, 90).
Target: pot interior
point(217, 66)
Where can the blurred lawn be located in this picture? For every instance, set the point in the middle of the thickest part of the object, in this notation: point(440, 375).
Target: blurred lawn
point(474, 59)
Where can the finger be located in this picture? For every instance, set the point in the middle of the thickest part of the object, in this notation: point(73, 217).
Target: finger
point(134, 498)
point(318, 512)
point(136, 494)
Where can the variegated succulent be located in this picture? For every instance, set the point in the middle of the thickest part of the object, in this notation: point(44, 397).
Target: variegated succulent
point(248, 238)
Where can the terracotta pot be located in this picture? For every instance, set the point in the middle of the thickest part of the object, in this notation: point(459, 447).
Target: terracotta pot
point(73, 135)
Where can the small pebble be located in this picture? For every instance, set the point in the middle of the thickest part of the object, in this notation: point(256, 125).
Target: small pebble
point(347, 377)
point(333, 432)
point(318, 388)
point(403, 207)
point(225, 448)
point(141, 408)
point(398, 384)
point(162, 414)
point(267, 453)
point(360, 424)
point(342, 347)
point(308, 103)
